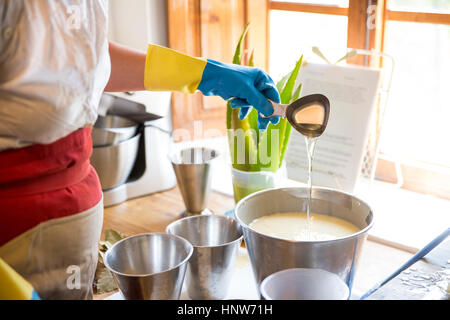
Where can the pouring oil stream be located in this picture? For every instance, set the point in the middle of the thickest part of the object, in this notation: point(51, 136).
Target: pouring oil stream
point(309, 116)
point(310, 147)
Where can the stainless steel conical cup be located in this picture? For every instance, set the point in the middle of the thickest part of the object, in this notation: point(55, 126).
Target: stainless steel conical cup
point(192, 168)
point(149, 266)
point(216, 241)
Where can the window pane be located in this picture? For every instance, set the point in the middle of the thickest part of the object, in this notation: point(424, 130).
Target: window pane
point(437, 6)
point(292, 32)
point(417, 124)
point(339, 3)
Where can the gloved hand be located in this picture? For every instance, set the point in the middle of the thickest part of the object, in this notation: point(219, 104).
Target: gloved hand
point(248, 86)
point(13, 286)
point(167, 69)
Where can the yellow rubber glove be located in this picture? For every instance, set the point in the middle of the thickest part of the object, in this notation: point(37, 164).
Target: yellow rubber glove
point(13, 286)
point(170, 70)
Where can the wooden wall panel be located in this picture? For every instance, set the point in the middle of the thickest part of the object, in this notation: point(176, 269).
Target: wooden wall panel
point(258, 40)
point(211, 29)
point(222, 22)
point(183, 30)
point(357, 18)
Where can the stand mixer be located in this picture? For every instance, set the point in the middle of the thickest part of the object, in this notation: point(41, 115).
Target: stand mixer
point(152, 171)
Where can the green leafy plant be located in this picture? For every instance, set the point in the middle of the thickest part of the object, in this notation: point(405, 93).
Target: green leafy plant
point(252, 149)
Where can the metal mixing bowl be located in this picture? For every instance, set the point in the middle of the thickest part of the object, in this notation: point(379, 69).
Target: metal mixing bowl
point(111, 130)
point(271, 254)
point(114, 163)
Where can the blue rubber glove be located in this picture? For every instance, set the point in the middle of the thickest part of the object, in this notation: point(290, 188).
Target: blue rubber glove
point(248, 86)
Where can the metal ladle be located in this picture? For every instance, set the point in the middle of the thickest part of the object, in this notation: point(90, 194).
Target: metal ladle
point(308, 115)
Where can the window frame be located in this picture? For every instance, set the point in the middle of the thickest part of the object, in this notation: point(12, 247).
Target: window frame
point(410, 174)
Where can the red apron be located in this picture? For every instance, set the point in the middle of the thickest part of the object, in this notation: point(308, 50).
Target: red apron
point(43, 182)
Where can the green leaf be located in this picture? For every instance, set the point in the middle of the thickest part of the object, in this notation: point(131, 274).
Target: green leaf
point(247, 125)
point(240, 127)
point(288, 89)
point(265, 147)
point(288, 128)
point(259, 142)
point(282, 82)
point(287, 96)
point(251, 62)
point(296, 94)
point(238, 53)
point(287, 135)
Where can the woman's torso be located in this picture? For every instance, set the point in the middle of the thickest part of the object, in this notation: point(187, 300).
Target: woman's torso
point(54, 65)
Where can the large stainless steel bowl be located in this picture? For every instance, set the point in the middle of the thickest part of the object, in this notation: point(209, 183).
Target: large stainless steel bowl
point(271, 254)
point(114, 163)
point(112, 130)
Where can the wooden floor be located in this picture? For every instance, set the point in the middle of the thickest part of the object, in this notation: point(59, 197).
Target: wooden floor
point(154, 212)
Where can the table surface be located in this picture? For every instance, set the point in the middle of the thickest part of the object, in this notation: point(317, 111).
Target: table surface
point(154, 212)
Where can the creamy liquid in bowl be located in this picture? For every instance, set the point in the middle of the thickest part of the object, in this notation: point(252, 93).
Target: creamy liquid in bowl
point(294, 226)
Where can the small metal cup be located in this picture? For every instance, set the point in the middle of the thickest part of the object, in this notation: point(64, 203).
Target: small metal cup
point(216, 241)
point(149, 266)
point(304, 284)
point(192, 169)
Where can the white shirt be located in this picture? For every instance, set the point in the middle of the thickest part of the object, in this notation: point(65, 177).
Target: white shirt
point(54, 66)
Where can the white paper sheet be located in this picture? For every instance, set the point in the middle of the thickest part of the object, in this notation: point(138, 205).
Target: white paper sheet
point(352, 92)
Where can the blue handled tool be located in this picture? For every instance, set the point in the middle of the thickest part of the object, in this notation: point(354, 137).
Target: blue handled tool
point(419, 255)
